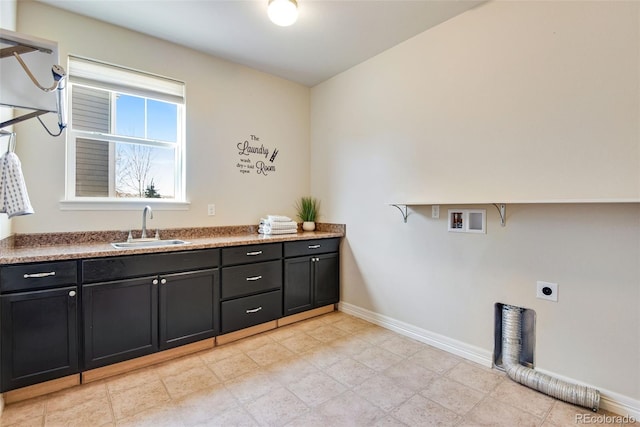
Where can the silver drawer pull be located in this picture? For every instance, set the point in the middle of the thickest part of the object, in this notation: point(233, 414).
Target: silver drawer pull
point(254, 253)
point(72, 293)
point(254, 310)
point(254, 278)
point(39, 275)
point(314, 246)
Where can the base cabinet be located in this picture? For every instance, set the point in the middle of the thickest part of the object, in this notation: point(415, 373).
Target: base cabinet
point(165, 307)
point(39, 336)
point(39, 323)
point(311, 281)
point(251, 286)
point(61, 318)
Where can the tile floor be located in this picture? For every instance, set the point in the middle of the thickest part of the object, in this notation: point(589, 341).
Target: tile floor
point(333, 370)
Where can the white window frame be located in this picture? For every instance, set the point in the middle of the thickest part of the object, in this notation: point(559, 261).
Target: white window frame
point(109, 77)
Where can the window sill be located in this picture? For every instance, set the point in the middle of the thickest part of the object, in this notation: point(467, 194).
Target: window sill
point(122, 205)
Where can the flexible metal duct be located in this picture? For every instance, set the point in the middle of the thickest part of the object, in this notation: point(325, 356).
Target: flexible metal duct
point(511, 347)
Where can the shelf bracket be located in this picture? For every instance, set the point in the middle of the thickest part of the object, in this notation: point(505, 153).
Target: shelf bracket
point(404, 212)
point(502, 210)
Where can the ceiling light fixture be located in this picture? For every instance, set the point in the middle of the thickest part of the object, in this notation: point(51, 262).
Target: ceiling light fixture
point(283, 12)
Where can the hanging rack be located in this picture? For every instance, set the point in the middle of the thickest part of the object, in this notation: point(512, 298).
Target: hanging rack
point(18, 47)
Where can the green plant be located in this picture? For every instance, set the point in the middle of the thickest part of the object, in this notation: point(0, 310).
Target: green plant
point(308, 208)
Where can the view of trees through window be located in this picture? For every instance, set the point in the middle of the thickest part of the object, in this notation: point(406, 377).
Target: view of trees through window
point(135, 154)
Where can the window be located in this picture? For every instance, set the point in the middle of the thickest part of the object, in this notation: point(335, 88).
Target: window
point(125, 139)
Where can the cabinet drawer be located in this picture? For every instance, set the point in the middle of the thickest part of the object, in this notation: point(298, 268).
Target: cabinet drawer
point(311, 247)
point(124, 267)
point(37, 276)
point(251, 278)
point(252, 253)
point(249, 311)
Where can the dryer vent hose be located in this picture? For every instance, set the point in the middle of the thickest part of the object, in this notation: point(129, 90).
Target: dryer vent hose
point(511, 346)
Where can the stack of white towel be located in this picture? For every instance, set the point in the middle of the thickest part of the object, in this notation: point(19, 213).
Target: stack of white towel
point(277, 224)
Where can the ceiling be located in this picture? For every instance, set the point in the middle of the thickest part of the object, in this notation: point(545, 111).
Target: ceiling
point(329, 37)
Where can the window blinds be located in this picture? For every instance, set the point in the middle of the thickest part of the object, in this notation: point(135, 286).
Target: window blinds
point(119, 79)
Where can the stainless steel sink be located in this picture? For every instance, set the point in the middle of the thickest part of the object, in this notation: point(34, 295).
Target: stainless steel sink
point(149, 243)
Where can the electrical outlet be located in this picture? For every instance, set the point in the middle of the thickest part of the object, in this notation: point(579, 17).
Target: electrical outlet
point(547, 290)
point(435, 211)
point(211, 209)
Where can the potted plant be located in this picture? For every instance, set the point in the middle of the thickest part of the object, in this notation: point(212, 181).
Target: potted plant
point(308, 209)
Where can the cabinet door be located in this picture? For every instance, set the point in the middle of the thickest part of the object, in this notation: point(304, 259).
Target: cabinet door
point(298, 291)
point(326, 279)
point(120, 320)
point(39, 336)
point(188, 307)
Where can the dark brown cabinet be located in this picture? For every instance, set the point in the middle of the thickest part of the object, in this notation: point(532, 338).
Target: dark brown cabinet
point(61, 318)
point(251, 291)
point(135, 316)
point(39, 318)
point(312, 280)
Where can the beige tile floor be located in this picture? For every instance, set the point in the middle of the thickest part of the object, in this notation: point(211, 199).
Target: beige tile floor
point(333, 370)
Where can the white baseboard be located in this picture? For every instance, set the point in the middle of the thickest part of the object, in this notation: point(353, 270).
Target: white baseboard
point(610, 401)
point(466, 351)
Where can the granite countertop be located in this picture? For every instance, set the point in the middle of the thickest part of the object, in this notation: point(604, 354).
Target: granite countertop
point(25, 248)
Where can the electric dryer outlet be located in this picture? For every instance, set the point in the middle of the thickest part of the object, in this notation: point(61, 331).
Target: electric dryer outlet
point(547, 290)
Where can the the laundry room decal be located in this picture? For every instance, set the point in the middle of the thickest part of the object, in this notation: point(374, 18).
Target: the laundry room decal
point(254, 156)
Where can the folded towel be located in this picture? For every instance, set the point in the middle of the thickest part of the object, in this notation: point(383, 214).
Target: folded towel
point(14, 199)
point(276, 225)
point(269, 232)
point(278, 218)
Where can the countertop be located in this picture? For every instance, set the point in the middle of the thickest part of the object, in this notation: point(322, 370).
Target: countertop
point(26, 248)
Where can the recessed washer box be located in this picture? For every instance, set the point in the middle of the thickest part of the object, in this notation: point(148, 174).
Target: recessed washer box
point(467, 220)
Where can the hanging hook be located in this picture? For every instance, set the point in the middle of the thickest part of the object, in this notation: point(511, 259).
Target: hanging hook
point(12, 139)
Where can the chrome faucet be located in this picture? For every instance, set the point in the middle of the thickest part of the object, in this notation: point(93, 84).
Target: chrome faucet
point(144, 220)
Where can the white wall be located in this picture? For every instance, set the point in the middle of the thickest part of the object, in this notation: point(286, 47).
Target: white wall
point(8, 22)
point(226, 103)
point(509, 101)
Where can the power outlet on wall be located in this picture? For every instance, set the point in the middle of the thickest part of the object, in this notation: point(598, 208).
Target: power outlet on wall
point(547, 290)
point(211, 209)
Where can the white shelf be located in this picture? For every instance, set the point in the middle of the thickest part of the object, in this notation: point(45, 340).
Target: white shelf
point(513, 202)
point(502, 206)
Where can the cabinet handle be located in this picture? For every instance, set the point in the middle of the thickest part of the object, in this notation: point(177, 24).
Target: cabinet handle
point(314, 246)
point(251, 279)
point(254, 310)
point(254, 253)
point(72, 293)
point(155, 281)
point(39, 275)
point(163, 281)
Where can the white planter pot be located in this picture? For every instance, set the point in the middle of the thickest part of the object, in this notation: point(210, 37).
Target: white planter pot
point(308, 225)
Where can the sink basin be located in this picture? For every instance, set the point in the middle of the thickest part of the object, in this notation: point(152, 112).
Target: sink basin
point(152, 243)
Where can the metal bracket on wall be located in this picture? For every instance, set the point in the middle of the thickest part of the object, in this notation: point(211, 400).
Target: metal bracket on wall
point(404, 211)
point(502, 210)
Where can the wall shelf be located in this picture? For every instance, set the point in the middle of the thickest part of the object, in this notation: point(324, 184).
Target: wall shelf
point(502, 207)
point(404, 208)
